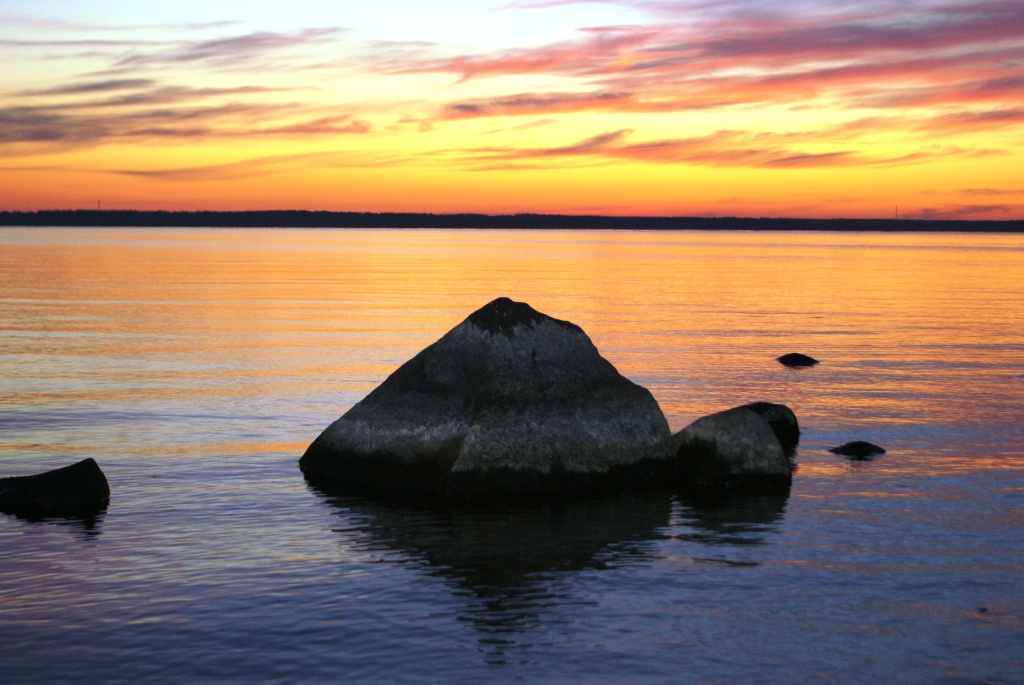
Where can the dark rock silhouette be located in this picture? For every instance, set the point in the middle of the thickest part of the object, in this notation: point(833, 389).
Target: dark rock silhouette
point(734, 449)
point(796, 360)
point(782, 421)
point(509, 402)
point(77, 490)
point(858, 450)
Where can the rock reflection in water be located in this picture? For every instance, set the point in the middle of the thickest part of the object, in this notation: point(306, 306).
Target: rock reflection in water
point(730, 519)
point(510, 561)
point(88, 526)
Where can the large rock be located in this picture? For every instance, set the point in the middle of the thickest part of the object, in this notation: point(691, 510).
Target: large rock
point(734, 449)
point(79, 489)
point(510, 401)
point(782, 421)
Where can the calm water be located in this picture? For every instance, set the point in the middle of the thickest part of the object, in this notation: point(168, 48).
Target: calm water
point(196, 365)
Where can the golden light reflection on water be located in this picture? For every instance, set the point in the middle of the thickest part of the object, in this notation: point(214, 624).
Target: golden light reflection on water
point(912, 330)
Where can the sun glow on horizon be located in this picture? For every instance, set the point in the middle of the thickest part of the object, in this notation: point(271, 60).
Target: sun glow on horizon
point(614, 107)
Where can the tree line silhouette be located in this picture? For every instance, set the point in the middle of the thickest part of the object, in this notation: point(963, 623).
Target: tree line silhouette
point(324, 219)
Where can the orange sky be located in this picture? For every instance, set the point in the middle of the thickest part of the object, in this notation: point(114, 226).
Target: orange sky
point(707, 107)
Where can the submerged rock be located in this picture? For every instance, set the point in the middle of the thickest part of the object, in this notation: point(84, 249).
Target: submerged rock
point(858, 449)
point(781, 420)
point(795, 359)
point(734, 449)
point(510, 401)
point(76, 490)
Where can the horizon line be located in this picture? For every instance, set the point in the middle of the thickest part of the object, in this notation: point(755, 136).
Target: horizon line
point(308, 218)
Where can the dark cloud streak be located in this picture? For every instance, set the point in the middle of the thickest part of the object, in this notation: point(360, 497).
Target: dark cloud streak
point(226, 121)
point(258, 166)
point(93, 87)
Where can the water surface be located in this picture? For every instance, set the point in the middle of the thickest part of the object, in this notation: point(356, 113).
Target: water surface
point(196, 365)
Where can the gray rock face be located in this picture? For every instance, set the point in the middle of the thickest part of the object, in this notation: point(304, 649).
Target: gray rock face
point(735, 449)
point(510, 401)
point(79, 489)
point(782, 421)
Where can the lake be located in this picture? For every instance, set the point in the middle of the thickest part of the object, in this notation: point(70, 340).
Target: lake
point(196, 366)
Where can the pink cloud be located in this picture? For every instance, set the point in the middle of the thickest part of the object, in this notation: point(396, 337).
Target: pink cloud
point(950, 55)
point(726, 148)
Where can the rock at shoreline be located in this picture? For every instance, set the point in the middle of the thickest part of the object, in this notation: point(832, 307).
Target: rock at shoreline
point(858, 450)
point(796, 360)
point(509, 402)
point(734, 449)
point(77, 490)
point(782, 421)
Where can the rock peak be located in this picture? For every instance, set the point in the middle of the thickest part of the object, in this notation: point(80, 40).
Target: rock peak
point(503, 315)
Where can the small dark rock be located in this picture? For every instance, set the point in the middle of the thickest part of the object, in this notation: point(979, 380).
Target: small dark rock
point(77, 490)
point(795, 359)
point(858, 449)
point(734, 449)
point(782, 421)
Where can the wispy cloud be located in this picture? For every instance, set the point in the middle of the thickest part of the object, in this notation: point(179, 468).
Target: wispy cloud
point(89, 87)
point(973, 120)
point(233, 50)
point(332, 125)
point(65, 26)
point(968, 211)
point(992, 192)
point(969, 54)
point(132, 100)
point(260, 166)
point(218, 122)
point(726, 148)
point(541, 103)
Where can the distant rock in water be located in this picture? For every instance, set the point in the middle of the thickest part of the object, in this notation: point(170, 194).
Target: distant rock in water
point(795, 359)
point(858, 449)
point(734, 449)
point(782, 421)
point(509, 402)
point(79, 489)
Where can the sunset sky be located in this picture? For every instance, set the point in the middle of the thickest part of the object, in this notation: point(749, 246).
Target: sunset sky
point(704, 107)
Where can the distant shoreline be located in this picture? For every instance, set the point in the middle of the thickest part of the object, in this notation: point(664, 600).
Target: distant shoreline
point(315, 219)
